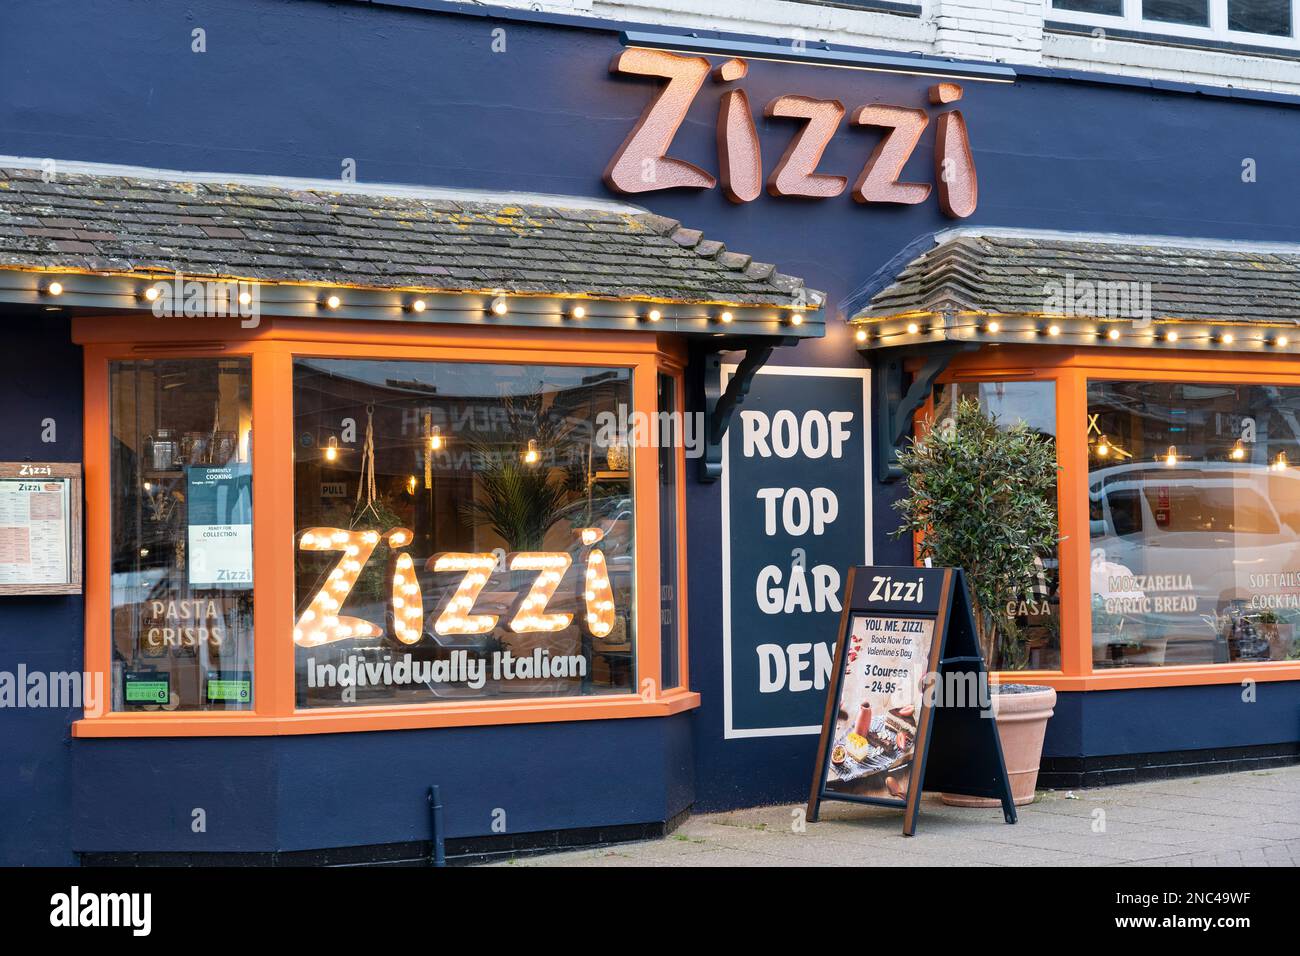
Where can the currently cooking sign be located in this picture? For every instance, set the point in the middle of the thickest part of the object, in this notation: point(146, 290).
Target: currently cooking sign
point(796, 511)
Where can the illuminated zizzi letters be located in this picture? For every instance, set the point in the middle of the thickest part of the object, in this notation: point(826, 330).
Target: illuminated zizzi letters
point(597, 593)
point(321, 622)
point(455, 617)
point(408, 602)
point(531, 615)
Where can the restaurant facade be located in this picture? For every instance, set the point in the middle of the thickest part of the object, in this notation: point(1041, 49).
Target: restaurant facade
point(412, 398)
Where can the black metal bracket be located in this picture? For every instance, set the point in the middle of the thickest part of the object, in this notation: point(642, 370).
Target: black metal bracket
point(895, 407)
point(719, 403)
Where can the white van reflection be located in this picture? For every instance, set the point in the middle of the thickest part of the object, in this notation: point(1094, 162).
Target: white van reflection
point(1175, 550)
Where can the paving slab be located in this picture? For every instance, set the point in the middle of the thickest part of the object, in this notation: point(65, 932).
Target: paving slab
point(1242, 819)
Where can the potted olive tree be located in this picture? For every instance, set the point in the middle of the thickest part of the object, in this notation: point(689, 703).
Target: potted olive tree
point(982, 497)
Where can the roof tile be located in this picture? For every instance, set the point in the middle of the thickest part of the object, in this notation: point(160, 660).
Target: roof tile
point(269, 233)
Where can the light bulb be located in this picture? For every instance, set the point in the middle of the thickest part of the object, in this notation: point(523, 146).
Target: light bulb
point(726, 318)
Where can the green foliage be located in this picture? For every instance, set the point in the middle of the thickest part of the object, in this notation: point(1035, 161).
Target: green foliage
point(518, 500)
point(983, 498)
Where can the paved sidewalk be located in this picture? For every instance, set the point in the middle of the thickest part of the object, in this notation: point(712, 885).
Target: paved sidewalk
point(1242, 819)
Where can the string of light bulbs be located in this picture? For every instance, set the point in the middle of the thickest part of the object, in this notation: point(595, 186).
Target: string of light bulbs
point(1056, 330)
point(498, 307)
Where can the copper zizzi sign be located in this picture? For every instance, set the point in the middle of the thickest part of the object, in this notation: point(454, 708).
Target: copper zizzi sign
point(642, 163)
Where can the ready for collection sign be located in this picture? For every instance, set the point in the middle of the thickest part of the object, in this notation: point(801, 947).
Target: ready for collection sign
point(796, 511)
point(220, 526)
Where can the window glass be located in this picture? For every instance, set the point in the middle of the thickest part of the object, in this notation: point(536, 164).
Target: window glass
point(182, 561)
point(1194, 509)
point(1190, 12)
point(1272, 17)
point(464, 531)
point(668, 625)
point(1108, 7)
point(1039, 618)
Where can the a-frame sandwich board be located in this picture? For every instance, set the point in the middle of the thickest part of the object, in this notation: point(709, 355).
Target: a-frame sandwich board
point(913, 630)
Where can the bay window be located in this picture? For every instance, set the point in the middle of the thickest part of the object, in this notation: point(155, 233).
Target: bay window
point(446, 528)
point(1178, 505)
point(1194, 522)
point(465, 530)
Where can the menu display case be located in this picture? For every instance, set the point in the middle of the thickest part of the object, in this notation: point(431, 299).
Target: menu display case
point(40, 527)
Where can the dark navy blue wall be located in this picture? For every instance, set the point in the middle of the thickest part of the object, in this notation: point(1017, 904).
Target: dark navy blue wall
point(1159, 720)
point(40, 378)
point(293, 87)
point(301, 793)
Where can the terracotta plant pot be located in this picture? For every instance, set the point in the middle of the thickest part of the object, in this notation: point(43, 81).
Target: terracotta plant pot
point(1021, 711)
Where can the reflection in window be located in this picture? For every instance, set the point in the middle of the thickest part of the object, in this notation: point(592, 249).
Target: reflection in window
point(464, 530)
point(1190, 12)
point(1265, 18)
point(1194, 508)
point(182, 578)
point(1107, 7)
point(1034, 403)
point(1271, 17)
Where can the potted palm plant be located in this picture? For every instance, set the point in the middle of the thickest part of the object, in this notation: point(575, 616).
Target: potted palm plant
point(982, 497)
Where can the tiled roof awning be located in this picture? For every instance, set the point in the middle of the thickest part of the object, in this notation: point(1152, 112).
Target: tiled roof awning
point(545, 254)
point(1055, 288)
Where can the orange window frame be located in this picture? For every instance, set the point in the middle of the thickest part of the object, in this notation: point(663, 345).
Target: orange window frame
point(271, 348)
point(672, 363)
point(1071, 369)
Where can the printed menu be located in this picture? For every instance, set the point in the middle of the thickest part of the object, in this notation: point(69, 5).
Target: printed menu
point(33, 531)
point(879, 706)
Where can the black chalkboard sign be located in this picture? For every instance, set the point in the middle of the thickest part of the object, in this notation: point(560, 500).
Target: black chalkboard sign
point(908, 707)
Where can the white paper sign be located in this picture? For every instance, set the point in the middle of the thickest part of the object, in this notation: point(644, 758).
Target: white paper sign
point(33, 531)
point(220, 526)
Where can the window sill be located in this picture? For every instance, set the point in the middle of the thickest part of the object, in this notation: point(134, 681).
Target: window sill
point(1129, 678)
point(360, 719)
